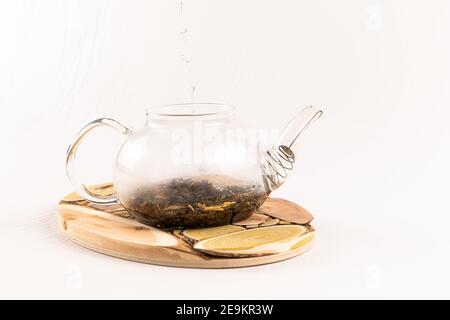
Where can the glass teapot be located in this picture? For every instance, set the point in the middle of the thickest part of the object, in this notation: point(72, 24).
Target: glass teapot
point(193, 166)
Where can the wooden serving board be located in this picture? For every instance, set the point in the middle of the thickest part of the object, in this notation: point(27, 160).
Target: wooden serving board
point(279, 230)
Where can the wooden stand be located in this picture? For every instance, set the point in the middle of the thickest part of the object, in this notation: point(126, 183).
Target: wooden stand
point(279, 230)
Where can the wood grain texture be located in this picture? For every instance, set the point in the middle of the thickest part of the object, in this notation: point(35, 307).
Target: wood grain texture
point(113, 232)
point(286, 210)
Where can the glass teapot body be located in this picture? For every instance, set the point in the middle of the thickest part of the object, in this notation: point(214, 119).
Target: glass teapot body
point(189, 167)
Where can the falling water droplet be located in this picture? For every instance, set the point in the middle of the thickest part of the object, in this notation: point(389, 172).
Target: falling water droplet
point(183, 38)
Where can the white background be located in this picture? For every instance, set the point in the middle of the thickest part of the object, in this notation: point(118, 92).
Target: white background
point(375, 170)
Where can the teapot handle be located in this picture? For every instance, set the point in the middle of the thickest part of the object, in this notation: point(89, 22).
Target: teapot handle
point(71, 154)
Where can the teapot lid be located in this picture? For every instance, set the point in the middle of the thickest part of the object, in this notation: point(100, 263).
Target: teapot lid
point(188, 110)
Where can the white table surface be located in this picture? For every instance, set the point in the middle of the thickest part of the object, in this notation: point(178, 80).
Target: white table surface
point(374, 171)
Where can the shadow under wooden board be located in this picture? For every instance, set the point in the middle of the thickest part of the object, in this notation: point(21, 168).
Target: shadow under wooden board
point(279, 230)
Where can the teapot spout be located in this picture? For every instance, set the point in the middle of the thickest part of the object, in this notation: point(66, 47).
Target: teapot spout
point(280, 159)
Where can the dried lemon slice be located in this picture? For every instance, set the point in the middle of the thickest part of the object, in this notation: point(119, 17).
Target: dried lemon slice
point(254, 242)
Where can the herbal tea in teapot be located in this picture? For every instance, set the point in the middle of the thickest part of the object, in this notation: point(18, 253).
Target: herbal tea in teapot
point(181, 170)
point(204, 201)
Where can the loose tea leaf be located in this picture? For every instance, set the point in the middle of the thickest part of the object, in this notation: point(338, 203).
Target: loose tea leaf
point(195, 203)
